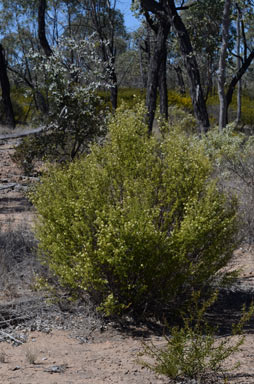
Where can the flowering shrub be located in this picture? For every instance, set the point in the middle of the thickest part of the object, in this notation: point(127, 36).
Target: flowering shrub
point(70, 78)
point(137, 222)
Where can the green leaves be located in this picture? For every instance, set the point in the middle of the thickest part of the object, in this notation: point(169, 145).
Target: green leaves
point(137, 222)
point(193, 351)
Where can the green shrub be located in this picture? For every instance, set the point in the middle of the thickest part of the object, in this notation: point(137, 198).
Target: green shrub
point(130, 96)
point(29, 151)
point(136, 223)
point(193, 351)
point(180, 101)
point(185, 121)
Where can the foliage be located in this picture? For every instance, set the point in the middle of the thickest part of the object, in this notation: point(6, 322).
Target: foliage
point(75, 115)
point(29, 151)
point(193, 351)
point(137, 222)
point(185, 121)
point(130, 96)
point(233, 154)
point(21, 105)
point(175, 98)
point(247, 117)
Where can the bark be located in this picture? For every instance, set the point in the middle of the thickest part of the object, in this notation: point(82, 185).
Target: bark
point(157, 71)
point(163, 89)
point(179, 74)
point(113, 89)
point(191, 65)
point(41, 28)
point(169, 10)
point(222, 65)
point(5, 86)
point(209, 79)
point(238, 52)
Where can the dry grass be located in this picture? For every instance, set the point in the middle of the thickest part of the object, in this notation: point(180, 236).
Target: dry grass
point(2, 356)
point(31, 355)
point(18, 261)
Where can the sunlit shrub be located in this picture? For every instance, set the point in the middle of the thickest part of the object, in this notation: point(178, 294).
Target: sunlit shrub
point(193, 352)
point(137, 222)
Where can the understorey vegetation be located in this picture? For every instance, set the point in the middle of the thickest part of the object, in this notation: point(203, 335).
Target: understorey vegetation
point(137, 222)
point(141, 199)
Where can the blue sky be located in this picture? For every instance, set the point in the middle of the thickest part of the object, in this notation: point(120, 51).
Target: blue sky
point(130, 21)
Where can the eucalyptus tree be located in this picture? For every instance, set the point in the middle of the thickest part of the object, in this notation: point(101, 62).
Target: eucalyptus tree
point(41, 28)
point(169, 10)
point(142, 40)
point(18, 21)
point(203, 22)
point(243, 61)
point(222, 63)
point(5, 86)
point(106, 22)
point(244, 8)
point(160, 25)
point(13, 15)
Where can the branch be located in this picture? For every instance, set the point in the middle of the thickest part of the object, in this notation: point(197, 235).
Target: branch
point(185, 7)
point(151, 6)
point(22, 76)
point(235, 55)
point(150, 22)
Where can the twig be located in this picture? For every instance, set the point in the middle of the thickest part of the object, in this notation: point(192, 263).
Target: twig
point(11, 337)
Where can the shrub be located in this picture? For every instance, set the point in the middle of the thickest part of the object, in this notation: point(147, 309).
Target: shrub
point(233, 155)
point(180, 101)
point(193, 351)
point(185, 121)
point(75, 115)
point(137, 222)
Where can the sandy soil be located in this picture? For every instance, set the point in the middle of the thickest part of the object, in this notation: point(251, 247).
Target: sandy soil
point(56, 358)
point(108, 356)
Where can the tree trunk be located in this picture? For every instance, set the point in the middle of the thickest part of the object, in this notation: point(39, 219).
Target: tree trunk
point(222, 65)
point(238, 52)
point(163, 89)
point(191, 65)
point(155, 67)
point(179, 74)
point(209, 79)
point(237, 77)
point(41, 28)
point(5, 86)
point(113, 89)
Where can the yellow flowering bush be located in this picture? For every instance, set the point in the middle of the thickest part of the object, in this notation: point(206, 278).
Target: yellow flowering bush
point(136, 222)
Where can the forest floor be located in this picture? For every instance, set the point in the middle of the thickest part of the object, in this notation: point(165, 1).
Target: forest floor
point(44, 343)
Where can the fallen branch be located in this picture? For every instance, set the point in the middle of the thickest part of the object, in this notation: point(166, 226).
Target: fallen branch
point(7, 335)
point(22, 134)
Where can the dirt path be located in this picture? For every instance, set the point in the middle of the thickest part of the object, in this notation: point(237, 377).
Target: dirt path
point(105, 355)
